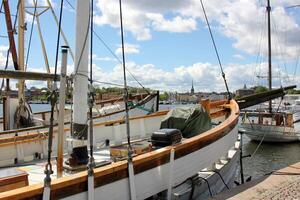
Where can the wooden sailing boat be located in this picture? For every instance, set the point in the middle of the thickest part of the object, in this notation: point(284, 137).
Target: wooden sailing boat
point(12, 105)
point(104, 110)
point(173, 170)
point(271, 126)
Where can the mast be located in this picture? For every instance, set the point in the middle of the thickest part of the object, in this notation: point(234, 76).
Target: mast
point(269, 52)
point(21, 30)
point(10, 33)
point(79, 154)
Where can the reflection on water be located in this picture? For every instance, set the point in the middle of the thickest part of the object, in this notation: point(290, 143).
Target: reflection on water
point(269, 157)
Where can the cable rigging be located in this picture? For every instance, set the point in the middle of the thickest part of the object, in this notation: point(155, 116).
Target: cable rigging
point(31, 31)
point(53, 100)
point(216, 50)
point(111, 52)
point(279, 48)
point(259, 53)
point(91, 163)
point(130, 164)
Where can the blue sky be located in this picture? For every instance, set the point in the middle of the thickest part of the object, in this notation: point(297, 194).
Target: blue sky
point(168, 44)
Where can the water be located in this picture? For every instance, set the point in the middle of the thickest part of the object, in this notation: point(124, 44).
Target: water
point(34, 107)
point(269, 157)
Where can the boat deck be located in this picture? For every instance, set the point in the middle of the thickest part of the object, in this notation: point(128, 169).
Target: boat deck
point(281, 184)
point(35, 170)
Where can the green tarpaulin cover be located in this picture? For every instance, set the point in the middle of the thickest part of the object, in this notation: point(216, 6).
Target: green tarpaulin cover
point(190, 121)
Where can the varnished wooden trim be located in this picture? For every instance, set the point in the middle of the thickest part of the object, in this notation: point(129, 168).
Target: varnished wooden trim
point(218, 113)
point(216, 104)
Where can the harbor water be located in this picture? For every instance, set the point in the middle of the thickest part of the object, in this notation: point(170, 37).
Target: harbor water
point(268, 157)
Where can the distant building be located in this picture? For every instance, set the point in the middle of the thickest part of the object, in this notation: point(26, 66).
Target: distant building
point(244, 91)
point(192, 90)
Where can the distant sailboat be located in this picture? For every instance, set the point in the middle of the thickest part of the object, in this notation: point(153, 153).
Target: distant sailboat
point(271, 125)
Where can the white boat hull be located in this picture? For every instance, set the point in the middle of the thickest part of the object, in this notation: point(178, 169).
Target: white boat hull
point(156, 179)
point(270, 133)
point(226, 169)
point(158, 171)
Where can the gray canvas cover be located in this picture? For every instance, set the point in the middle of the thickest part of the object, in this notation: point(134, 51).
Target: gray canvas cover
point(190, 121)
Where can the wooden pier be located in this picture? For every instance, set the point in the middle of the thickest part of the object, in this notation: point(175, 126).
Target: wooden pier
point(281, 184)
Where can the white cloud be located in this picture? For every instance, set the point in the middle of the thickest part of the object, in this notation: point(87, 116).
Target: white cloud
point(240, 20)
point(41, 2)
point(239, 56)
point(177, 24)
point(129, 49)
point(3, 57)
point(140, 17)
point(206, 76)
point(98, 58)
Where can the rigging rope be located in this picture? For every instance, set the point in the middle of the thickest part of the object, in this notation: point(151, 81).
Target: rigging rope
point(216, 50)
point(112, 53)
point(53, 98)
point(280, 49)
point(91, 163)
point(130, 164)
point(31, 31)
point(124, 77)
point(259, 44)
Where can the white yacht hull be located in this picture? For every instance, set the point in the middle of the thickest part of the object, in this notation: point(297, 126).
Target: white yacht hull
point(221, 176)
point(270, 133)
point(156, 180)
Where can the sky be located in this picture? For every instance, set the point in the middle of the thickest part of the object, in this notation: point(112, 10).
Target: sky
point(167, 43)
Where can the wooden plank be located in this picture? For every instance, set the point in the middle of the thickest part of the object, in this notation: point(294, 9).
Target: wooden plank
point(216, 104)
point(20, 75)
point(218, 113)
point(12, 179)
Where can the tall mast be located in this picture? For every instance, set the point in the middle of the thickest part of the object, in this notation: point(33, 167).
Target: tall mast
point(269, 52)
point(80, 100)
point(21, 29)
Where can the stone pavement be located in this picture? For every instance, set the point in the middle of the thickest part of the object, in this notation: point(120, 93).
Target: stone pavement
point(281, 184)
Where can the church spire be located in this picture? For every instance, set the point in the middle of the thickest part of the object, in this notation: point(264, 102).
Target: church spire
point(192, 90)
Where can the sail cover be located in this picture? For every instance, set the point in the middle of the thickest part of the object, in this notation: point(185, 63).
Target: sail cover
point(190, 121)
